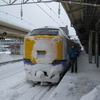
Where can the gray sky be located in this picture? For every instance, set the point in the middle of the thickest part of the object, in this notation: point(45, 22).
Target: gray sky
point(34, 15)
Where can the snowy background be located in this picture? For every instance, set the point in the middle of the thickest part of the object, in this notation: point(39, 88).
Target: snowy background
point(85, 85)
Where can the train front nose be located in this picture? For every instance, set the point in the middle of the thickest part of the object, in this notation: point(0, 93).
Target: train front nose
point(42, 52)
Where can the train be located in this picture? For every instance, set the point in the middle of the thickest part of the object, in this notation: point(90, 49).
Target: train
point(46, 54)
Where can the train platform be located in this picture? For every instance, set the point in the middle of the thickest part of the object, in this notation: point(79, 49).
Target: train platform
point(74, 86)
point(4, 57)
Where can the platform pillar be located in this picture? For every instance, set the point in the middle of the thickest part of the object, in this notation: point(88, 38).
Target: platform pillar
point(96, 49)
point(90, 47)
point(20, 41)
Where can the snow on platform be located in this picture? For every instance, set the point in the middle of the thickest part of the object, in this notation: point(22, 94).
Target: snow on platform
point(8, 57)
point(15, 57)
point(73, 86)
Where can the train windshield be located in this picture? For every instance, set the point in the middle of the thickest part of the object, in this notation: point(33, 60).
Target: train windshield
point(45, 31)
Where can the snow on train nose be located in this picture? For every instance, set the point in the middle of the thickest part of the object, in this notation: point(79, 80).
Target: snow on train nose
point(44, 51)
point(40, 74)
point(56, 70)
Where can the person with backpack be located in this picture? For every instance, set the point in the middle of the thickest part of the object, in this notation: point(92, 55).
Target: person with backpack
point(73, 54)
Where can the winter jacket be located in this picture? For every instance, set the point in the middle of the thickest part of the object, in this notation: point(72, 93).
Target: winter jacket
point(73, 53)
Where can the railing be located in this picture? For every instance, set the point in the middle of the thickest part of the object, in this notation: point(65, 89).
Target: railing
point(11, 42)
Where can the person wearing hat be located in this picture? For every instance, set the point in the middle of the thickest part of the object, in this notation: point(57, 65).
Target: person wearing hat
point(73, 54)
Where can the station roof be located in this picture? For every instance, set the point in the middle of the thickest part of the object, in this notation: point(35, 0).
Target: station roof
point(84, 16)
point(13, 31)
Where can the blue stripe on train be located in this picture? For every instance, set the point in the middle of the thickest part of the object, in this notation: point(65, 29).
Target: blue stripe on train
point(64, 63)
point(29, 63)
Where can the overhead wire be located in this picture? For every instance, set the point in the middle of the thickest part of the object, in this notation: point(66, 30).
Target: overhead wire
point(54, 12)
point(42, 10)
point(18, 18)
point(48, 14)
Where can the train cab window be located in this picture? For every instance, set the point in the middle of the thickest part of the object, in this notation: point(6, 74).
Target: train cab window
point(41, 54)
point(45, 31)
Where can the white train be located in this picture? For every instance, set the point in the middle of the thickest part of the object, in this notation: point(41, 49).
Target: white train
point(45, 54)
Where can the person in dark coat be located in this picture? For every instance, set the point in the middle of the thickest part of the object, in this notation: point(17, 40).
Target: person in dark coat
point(73, 54)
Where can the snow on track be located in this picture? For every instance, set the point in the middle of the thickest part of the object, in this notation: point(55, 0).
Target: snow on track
point(42, 93)
point(48, 93)
point(37, 93)
point(10, 69)
point(14, 86)
point(31, 93)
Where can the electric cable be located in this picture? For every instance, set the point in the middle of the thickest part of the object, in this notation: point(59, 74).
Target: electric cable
point(54, 13)
point(18, 18)
point(48, 14)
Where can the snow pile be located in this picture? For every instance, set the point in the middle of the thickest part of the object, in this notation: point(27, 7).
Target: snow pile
point(5, 57)
point(93, 95)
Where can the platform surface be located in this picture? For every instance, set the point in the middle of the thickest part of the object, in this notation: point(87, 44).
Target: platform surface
point(73, 86)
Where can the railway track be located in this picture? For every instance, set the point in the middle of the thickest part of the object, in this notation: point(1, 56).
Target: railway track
point(6, 76)
point(35, 92)
point(13, 61)
point(15, 80)
point(7, 71)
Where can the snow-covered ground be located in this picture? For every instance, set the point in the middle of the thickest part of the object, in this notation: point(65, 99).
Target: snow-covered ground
point(85, 85)
point(5, 52)
point(8, 57)
point(16, 56)
point(11, 77)
point(81, 86)
point(14, 86)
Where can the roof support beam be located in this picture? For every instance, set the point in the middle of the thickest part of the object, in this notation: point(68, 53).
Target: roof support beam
point(24, 2)
point(5, 1)
point(79, 22)
point(76, 9)
point(70, 15)
point(78, 3)
point(13, 1)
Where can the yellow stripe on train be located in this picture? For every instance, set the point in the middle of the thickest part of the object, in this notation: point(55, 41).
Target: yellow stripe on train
point(43, 49)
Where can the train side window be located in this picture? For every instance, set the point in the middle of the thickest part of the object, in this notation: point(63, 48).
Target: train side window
point(60, 33)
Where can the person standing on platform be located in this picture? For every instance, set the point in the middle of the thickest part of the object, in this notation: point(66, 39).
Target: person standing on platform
point(73, 54)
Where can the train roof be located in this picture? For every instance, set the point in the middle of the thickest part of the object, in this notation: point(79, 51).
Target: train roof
point(48, 27)
point(53, 27)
